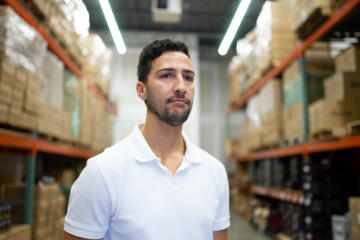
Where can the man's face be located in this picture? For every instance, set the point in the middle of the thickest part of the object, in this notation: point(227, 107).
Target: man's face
point(170, 88)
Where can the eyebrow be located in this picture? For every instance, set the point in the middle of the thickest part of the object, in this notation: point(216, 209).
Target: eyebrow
point(173, 70)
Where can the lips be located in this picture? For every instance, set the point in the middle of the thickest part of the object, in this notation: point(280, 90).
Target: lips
point(179, 100)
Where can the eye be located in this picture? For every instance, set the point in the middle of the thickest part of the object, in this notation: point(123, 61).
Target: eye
point(165, 76)
point(189, 78)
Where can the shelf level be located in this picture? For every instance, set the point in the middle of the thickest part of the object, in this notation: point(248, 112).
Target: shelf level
point(19, 8)
point(279, 194)
point(18, 141)
point(302, 149)
point(335, 18)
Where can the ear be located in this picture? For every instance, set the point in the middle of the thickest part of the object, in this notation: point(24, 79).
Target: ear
point(141, 90)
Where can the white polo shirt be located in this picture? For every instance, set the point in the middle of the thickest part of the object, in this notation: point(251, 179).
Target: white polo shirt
point(125, 193)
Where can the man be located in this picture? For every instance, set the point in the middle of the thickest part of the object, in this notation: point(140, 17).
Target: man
point(155, 184)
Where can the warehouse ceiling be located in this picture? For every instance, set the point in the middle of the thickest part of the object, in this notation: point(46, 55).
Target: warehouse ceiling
point(208, 19)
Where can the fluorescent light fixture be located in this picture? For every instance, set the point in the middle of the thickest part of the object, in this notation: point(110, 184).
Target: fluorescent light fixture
point(234, 26)
point(114, 28)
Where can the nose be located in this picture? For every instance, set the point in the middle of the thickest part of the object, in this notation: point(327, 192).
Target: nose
point(180, 87)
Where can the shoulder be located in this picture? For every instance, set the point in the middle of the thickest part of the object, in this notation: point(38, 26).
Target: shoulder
point(208, 160)
point(113, 159)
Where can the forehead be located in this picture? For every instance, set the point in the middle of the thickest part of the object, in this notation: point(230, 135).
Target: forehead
point(176, 60)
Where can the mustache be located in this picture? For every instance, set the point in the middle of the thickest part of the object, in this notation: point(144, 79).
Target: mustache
point(186, 100)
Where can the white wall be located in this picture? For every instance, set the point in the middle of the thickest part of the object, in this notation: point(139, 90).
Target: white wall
point(130, 108)
point(214, 103)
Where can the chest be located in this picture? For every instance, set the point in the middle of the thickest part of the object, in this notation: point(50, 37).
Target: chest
point(183, 202)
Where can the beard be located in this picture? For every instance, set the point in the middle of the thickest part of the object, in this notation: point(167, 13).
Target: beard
point(164, 113)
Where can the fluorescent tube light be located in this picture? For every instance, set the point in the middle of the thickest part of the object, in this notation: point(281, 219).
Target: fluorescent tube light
point(114, 29)
point(234, 26)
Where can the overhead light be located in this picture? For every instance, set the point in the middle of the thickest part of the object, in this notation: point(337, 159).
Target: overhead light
point(114, 28)
point(234, 26)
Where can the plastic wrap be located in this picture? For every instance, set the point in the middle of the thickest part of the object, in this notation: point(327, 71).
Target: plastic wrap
point(52, 71)
point(275, 39)
point(19, 41)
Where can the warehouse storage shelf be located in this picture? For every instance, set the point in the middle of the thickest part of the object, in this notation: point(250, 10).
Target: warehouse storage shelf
point(291, 196)
point(302, 149)
point(19, 8)
point(334, 19)
point(34, 145)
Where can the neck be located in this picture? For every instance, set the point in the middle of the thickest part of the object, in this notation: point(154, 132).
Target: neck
point(163, 139)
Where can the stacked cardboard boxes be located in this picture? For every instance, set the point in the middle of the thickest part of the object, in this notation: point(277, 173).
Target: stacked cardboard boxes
point(240, 202)
point(274, 38)
point(318, 66)
point(342, 94)
point(69, 22)
point(271, 121)
point(21, 53)
point(303, 10)
point(96, 66)
point(48, 211)
point(17, 232)
point(48, 208)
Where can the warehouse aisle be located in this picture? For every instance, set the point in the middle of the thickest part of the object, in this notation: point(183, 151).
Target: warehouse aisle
point(241, 230)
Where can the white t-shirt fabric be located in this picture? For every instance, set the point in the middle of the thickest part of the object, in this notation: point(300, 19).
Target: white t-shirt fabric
point(125, 193)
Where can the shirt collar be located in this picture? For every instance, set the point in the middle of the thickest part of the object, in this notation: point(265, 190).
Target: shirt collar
point(143, 153)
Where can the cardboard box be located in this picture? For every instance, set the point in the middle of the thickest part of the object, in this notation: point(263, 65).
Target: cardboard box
point(19, 232)
point(332, 115)
point(17, 99)
point(354, 208)
point(349, 60)
point(5, 93)
point(343, 85)
point(21, 76)
point(4, 112)
point(293, 122)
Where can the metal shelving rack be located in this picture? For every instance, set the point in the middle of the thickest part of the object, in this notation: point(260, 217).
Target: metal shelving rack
point(31, 145)
point(308, 147)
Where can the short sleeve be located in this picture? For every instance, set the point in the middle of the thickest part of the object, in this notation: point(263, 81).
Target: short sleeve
point(89, 209)
point(222, 220)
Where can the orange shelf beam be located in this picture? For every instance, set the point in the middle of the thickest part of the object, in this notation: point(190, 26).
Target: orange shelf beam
point(18, 141)
point(12, 140)
point(335, 18)
point(61, 149)
point(301, 149)
point(296, 197)
point(18, 7)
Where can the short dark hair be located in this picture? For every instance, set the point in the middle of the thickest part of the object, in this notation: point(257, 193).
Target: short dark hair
point(153, 51)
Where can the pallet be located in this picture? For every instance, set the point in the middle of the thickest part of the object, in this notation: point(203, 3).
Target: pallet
point(313, 21)
point(329, 134)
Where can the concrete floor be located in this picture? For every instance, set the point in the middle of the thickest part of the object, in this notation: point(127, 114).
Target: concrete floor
point(241, 230)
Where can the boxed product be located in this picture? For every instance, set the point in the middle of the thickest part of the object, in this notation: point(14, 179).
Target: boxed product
point(17, 232)
point(4, 111)
point(340, 227)
point(354, 208)
point(349, 60)
point(343, 85)
point(332, 115)
point(293, 123)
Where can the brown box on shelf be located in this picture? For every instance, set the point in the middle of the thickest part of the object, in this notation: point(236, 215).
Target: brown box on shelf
point(343, 85)
point(7, 71)
point(318, 50)
point(17, 99)
point(293, 123)
point(19, 232)
point(5, 92)
point(4, 112)
point(354, 208)
point(272, 128)
point(349, 60)
point(332, 115)
point(41, 6)
point(21, 76)
point(233, 147)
